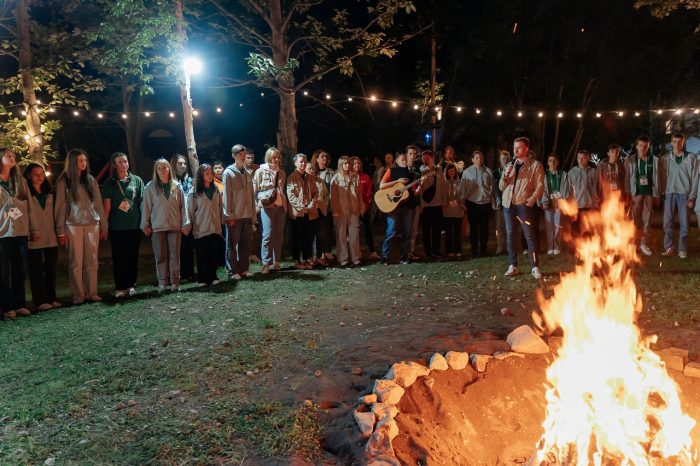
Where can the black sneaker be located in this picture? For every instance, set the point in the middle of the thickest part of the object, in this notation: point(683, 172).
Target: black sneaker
point(382, 261)
point(405, 261)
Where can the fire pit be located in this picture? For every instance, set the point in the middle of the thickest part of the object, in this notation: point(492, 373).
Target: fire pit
point(603, 397)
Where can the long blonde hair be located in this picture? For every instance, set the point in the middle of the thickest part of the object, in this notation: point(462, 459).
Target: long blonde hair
point(341, 160)
point(156, 178)
point(16, 186)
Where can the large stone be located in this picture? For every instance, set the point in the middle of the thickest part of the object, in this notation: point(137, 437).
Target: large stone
point(382, 410)
point(692, 369)
point(368, 399)
point(438, 363)
point(387, 391)
point(524, 340)
point(675, 358)
point(479, 361)
point(406, 373)
point(500, 355)
point(384, 460)
point(457, 360)
point(379, 443)
point(390, 424)
point(365, 421)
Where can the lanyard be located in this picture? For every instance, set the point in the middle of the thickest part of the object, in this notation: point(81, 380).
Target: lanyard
point(119, 183)
point(551, 178)
point(643, 163)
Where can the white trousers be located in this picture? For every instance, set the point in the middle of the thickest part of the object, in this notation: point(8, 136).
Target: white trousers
point(83, 242)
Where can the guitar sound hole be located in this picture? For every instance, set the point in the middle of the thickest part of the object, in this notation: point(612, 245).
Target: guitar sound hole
point(397, 193)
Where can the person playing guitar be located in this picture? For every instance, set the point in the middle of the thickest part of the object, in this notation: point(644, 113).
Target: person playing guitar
point(403, 214)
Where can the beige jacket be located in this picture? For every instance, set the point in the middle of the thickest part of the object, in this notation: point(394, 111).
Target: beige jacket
point(301, 194)
point(346, 197)
point(527, 188)
point(264, 180)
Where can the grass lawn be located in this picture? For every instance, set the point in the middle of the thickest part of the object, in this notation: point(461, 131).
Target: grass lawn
point(221, 375)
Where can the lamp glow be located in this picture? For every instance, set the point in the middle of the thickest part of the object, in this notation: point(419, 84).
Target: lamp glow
point(192, 65)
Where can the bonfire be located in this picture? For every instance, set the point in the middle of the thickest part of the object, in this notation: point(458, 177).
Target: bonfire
point(610, 399)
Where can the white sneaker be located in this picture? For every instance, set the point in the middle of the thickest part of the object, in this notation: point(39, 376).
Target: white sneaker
point(682, 254)
point(645, 250)
point(556, 252)
point(175, 288)
point(120, 294)
point(512, 271)
point(201, 284)
point(668, 252)
point(524, 252)
point(536, 274)
point(216, 282)
point(247, 274)
point(162, 288)
point(550, 252)
point(131, 291)
point(235, 276)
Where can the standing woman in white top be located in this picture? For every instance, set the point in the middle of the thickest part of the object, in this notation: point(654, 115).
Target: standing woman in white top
point(481, 199)
point(43, 244)
point(205, 209)
point(80, 224)
point(14, 229)
point(347, 207)
point(164, 219)
point(269, 184)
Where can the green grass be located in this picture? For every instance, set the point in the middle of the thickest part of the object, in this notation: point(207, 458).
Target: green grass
point(211, 371)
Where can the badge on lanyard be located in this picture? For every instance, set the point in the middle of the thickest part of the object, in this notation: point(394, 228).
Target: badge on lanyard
point(643, 180)
point(556, 195)
point(613, 185)
point(125, 205)
point(14, 213)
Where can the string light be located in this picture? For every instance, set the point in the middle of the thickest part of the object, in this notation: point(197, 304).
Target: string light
point(459, 109)
point(598, 115)
point(76, 113)
point(38, 102)
point(520, 114)
point(349, 99)
point(373, 97)
point(51, 109)
point(147, 114)
point(637, 114)
point(499, 113)
point(171, 115)
point(620, 114)
point(415, 107)
point(679, 111)
point(540, 114)
point(306, 92)
point(394, 104)
point(218, 109)
point(560, 115)
point(123, 116)
point(262, 94)
point(478, 110)
point(24, 113)
point(696, 111)
point(328, 97)
point(26, 137)
point(195, 112)
point(241, 104)
point(579, 115)
point(99, 115)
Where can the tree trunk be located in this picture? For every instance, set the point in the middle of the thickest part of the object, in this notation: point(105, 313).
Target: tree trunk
point(129, 124)
point(33, 122)
point(185, 98)
point(287, 126)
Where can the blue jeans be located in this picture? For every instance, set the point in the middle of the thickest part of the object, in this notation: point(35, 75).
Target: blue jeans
point(552, 220)
point(678, 202)
point(401, 216)
point(273, 220)
point(526, 217)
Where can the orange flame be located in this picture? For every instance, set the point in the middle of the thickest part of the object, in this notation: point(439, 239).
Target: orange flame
point(610, 398)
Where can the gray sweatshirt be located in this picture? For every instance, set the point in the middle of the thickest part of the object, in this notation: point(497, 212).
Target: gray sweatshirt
point(239, 196)
point(41, 223)
point(161, 213)
point(205, 215)
point(83, 211)
point(440, 188)
point(679, 178)
point(16, 222)
point(582, 186)
point(478, 185)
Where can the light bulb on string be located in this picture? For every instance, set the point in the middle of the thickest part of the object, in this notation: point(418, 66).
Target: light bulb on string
point(620, 113)
point(26, 137)
point(579, 115)
point(540, 114)
point(659, 112)
point(218, 109)
point(76, 113)
point(499, 113)
point(349, 99)
point(328, 97)
point(394, 104)
point(679, 111)
point(147, 114)
point(24, 113)
point(637, 114)
point(696, 111)
point(306, 92)
point(373, 97)
point(560, 115)
point(459, 109)
point(51, 109)
point(123, 116)
point(415, 107)
point(195, 112)
point(598, 115)
point(262, 94)
point(520, 114)
point(477, 111)
point(100, 115)
point(171, 115)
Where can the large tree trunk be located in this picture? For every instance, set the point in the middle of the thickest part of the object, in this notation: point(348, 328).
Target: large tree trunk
point(33, 122)
point(185, 95)
point(287, 126)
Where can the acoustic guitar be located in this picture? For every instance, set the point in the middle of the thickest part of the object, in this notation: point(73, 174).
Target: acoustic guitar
point(388, 198)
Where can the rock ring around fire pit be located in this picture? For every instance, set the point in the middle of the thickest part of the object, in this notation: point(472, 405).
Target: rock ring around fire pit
point(476, 409)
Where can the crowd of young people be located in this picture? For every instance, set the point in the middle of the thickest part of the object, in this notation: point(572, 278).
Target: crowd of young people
point(217, 212)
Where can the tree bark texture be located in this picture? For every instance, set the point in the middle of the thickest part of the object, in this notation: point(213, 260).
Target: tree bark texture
point(185, 98)
point(33, 122)
point(287, 125)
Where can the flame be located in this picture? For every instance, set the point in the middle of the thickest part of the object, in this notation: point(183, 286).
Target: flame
point(610, 399)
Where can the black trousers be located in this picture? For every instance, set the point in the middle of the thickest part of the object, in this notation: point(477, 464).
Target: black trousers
point(431, 220)
point(42, 274)
point(302, 238)
point(367, 227)
point(208, 248)
point(323, 228)
point(125, 257)
point(478, 215)
point(453, 235)
point(187, 257)
point(13, 253)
